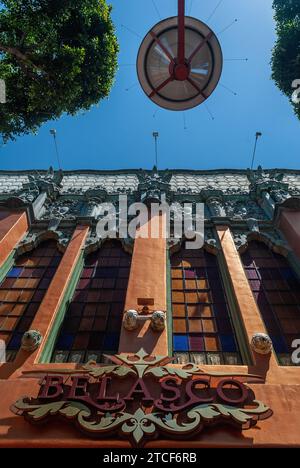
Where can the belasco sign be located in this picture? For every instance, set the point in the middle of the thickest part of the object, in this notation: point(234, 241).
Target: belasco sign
point(141, 397)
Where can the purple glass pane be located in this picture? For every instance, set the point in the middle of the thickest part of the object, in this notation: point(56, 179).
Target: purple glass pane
point(190, 274)
point(251, 273)
point(84, 283)
point(38, 295)
point(50, 272)
point(87, 273)
point(44, 283)
point(255, 285)
point(201, 273)
point(260, 298)
point(31, 310)
point(196, 343)
point(80, 296)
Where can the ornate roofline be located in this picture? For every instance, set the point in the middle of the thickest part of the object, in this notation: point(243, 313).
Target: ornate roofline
point(148, 171)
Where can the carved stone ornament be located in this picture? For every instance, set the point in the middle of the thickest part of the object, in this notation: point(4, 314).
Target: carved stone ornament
point(137, 411)
point(63, 208)
point(261, 343)
point(265, 179)
point(31, 340)
point(280, 195)
point(152, 186)
point(216, 207)
point(131, 320)
point(158, 321)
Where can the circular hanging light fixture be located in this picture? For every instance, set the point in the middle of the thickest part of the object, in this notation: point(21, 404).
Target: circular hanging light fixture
point(179, 62)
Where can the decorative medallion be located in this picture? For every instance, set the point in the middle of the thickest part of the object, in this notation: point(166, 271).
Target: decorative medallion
point(141, 397)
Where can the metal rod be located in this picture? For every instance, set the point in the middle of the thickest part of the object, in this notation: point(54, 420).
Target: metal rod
point(53, 133)
point(156, 135)
point(258, 134)
point(181, 32)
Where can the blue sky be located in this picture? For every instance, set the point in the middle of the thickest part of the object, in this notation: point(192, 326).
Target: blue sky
point(118, 133)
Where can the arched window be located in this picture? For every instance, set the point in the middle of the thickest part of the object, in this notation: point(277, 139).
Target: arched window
point(202, 329)
point(92, 324)
point(276, 289)
point(22, 292)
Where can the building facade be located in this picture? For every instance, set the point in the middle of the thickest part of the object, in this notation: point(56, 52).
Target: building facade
point(126, 342)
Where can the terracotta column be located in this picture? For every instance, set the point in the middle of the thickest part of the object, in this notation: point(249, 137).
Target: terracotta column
point(289, 224)
point(13, 226)
point(49, 307)
point(147, 285)
point(250, 314)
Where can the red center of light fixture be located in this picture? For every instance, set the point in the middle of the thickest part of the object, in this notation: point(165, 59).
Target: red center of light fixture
point(181, 72)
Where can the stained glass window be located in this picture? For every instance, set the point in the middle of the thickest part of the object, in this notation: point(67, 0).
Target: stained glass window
point(202, 328)
point(92, 324)
point(23, 290)
point(276, 289)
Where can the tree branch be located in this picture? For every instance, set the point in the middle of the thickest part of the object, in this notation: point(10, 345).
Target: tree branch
point(23, 59)
point(15, 52)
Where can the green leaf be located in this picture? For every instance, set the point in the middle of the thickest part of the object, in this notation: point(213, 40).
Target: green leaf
point(178, 372)
point(72, 409)
point(157, 371)
point(122, 371)
point(44, 410)
point(100, 371)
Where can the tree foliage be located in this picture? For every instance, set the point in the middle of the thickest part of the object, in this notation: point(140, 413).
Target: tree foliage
point(286, 54)
point(56, 56)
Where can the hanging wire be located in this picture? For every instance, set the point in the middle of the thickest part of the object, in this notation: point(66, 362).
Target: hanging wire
point(131, 31)
point(209, 111)
point(229, 26)
point(214, 11)
point(131, 87)
point(236, 60)
point(191, 6)
point(229, 89)
point(156, 9)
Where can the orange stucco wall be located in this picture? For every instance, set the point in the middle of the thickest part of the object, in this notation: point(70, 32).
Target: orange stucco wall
point(280, 390)
point(13, 227)
point(289, 224)
point(148, 280)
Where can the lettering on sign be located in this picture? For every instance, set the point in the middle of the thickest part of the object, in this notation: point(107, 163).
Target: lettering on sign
point(141, 397)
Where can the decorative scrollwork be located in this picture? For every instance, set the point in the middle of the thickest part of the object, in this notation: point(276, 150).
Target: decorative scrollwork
point(141, 425)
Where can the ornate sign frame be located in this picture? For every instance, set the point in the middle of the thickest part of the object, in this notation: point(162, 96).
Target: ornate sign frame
point(159, 400)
